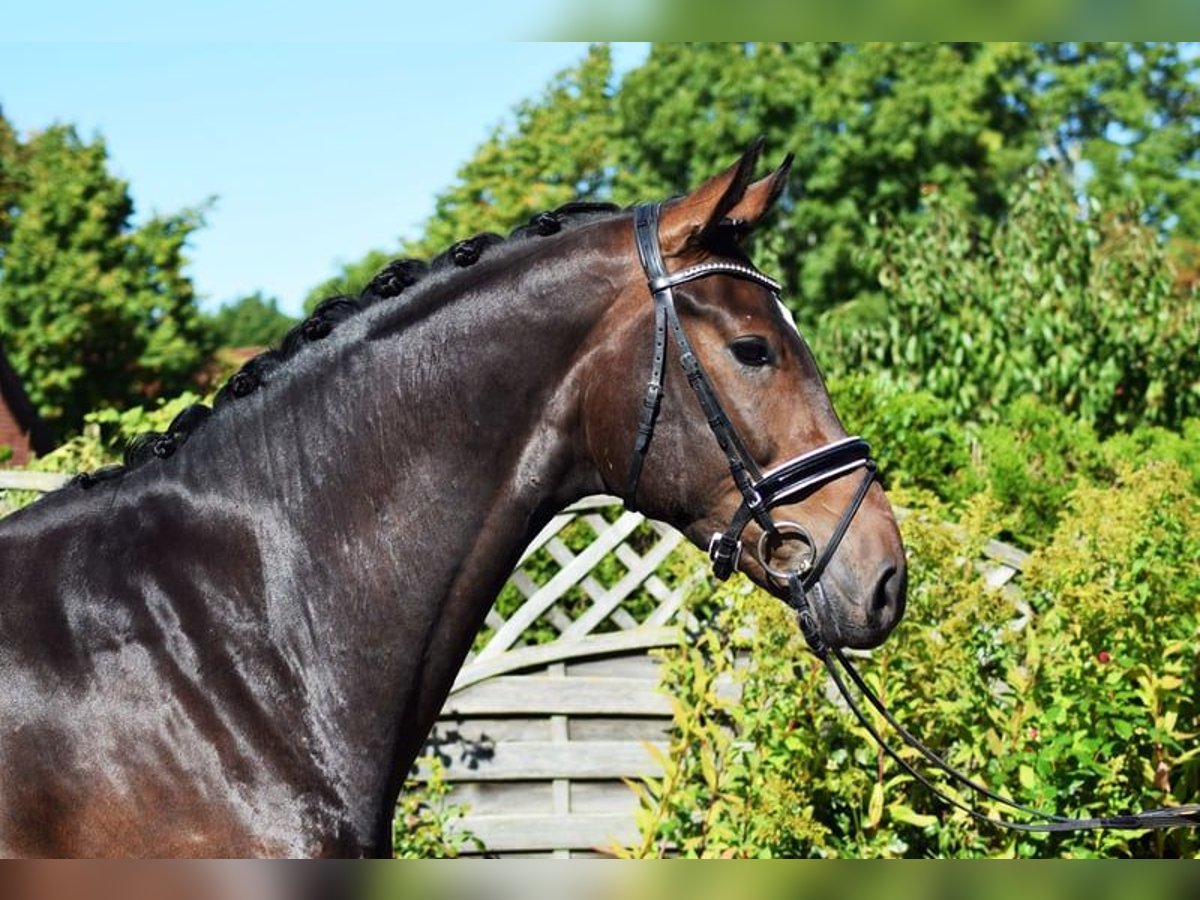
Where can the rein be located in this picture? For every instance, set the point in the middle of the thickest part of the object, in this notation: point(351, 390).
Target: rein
point(791, 480)
point(1163, 817)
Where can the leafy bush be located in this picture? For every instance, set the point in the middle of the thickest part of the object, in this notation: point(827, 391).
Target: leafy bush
point(916, 438)
point(1080, 311)
point(423, 827)
point(1030, 462)
point(106, 432)
point(1028, 459)
point(102, 441)
point(1083, 700)
point(1150, 442)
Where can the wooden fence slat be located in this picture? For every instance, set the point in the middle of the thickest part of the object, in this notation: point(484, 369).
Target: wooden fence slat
point(562, 519)
point(562, 581)
point(579, 695)
point(657, 589)
point(598, 831)
point(543, 654)
point(595, 501)
point(667, 609)
point(1007, 554)
point(509, 798)
point(538, 760)
point(999, 576)
point(25, 480)
point(562, 555)
point(493, 729)
point(553, 527)
point(523, 583)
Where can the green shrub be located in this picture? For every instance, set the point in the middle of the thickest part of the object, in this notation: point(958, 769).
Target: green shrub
point(1150, 442)
point(424, 824)
point(1030, 461)
point(106, 432)
point(1082, 701)
point(1029, 458)
point(102, 441)
point(916, 438)
point(1080, 311)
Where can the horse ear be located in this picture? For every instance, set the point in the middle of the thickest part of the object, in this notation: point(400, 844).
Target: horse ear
point(688, 220)
point(758, 198)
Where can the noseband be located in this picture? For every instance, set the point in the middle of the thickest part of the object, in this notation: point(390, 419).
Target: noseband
point(761, 491)
point(791, 481)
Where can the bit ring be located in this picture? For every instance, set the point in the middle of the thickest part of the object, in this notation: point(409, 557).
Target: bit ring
point(785, 531)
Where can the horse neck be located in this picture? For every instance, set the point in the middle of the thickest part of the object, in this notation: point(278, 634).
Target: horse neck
point(397, 495)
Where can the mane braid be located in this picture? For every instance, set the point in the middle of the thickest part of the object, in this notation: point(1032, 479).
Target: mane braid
point(394, 279)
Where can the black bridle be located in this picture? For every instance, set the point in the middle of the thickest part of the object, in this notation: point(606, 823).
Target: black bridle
point(763, 491)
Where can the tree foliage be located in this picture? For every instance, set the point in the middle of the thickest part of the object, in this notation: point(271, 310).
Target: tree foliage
point(251, 321)
point(1080, 310)
point(1126, 118)
point(873, 125)
point(93, 312)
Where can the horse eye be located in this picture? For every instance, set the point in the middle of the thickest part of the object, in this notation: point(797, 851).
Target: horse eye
point(752, 351)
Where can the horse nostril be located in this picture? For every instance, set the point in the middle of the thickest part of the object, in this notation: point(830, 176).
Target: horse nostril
point(890, 590)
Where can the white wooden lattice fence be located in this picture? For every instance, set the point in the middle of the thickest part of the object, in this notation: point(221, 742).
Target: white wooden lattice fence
point(537, 737)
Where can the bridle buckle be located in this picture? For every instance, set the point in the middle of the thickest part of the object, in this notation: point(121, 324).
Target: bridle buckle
point(725, 554)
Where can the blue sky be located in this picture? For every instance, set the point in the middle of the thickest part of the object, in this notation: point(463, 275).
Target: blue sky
point(316, 152)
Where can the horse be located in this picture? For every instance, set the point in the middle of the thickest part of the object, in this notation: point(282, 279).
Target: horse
point(236, 643)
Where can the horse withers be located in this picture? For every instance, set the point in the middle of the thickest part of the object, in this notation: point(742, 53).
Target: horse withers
point(237, 643)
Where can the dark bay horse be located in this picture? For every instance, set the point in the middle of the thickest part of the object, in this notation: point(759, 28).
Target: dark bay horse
point(237, 647)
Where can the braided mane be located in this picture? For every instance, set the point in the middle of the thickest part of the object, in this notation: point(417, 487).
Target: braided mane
point(390, 283)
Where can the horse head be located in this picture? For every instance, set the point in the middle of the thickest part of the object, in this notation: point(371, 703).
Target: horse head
point(707, 410)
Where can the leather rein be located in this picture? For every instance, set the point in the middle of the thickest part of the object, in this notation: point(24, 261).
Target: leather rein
point(763, 491)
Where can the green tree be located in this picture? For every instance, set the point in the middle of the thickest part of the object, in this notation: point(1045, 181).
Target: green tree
point(1080, 311)
point(351, 279)
point(251, 321)
point(875, 128)
point(870, 124)
point(93, 312)
point(1127, 116)
point(8, 180)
